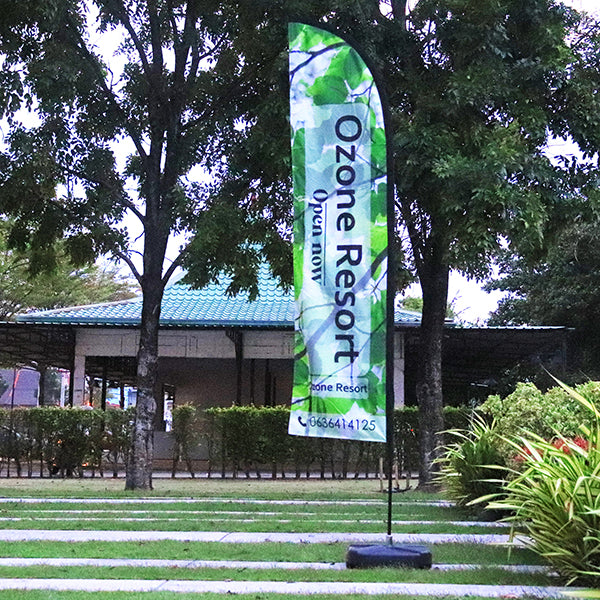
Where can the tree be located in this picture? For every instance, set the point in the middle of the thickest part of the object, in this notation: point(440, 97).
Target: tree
point(556, 282)
point(415, 303)
point(475, 89)
point(24, 290)
point(474, 96)
point(562, 289)
point(473, 92)
point(132, 99)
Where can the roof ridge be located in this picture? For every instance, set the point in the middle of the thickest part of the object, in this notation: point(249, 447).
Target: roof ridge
point(205, 307)
point(52, 311)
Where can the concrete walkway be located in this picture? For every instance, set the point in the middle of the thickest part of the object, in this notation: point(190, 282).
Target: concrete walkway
point(142, 563)
point(62, 535)
point(339, 588)
point(152, 500)
point(282, 587)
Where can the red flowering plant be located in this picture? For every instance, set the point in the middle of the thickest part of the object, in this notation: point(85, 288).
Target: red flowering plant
point(522, 455)
point(565, 444)
point(551, 414)
point(560, 443)
point(554, 497)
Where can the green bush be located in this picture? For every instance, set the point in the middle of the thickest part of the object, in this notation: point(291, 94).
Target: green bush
point(245, 438)
point(239, 434)
point(13, 443)
point(71, 439)
point(63, 440)
point(471, 466)
point(273, 439)
point(555, 500)
point(185, 435)
point(545, 414)
point(117, 436)
point(406, 447)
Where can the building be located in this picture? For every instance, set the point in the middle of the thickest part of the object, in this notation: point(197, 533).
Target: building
point(215, 349)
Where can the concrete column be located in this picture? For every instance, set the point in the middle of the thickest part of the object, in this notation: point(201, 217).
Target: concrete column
point(398, 370)
point(78, 381)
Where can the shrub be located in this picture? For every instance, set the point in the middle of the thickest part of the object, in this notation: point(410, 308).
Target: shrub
point(525, 408)
point(471, 465)
point(117, 436)
point(556, 498)
point(245, 437)
point(406, 444)
point(273, 439)
point(185, 436)
point(239, 433)
point(64, 440)
point(544, 414)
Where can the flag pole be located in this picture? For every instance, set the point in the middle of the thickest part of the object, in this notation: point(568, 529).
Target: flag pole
point(389, 555)
point(390, 306)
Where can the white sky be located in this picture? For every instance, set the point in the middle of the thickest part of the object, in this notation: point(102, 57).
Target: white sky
point(591, 6)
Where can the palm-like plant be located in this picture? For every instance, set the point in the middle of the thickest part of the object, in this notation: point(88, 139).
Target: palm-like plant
point(555, 498)
point(470, 465)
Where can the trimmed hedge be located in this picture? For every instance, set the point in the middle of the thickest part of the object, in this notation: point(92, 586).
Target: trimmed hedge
point(62, 441)
point(242, 440)
point(252, 440)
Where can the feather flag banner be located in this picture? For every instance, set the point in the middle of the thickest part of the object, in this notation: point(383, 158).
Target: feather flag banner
point(340, 240)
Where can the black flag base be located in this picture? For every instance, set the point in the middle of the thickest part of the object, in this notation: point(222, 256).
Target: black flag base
point(363, 556)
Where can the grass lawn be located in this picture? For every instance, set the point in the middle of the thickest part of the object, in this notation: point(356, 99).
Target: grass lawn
point(232, 506)
point(479, 576)
point(272, 489)
point(51, 595)
point(269, 506)
point(269, 551)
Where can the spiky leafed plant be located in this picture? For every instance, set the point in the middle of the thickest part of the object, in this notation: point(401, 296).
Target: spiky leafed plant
point(469, 466)
point(555, 500)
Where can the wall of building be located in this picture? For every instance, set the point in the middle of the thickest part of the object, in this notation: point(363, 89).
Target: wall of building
point(207, 382)
point(202, 363)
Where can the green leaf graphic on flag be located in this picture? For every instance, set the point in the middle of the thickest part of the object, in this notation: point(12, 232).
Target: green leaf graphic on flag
point(340, 240)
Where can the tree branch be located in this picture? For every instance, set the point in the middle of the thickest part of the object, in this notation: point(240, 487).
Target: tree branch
point(155, 39)
point(82, 49)
point(121, 12)
point(413, 233)
point(181, 42)
point(169, 272)
point(126, 202)
point(399, 12)
point(315, 54)
point(125, 258)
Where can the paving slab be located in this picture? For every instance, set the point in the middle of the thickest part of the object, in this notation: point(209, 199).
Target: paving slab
point(282, 587)
point(197, 500)
point(63, 535)
point(236, 564)
point(233, 519)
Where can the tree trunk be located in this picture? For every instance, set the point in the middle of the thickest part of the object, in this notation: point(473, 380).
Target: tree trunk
point(139, 463)
point(429, 380)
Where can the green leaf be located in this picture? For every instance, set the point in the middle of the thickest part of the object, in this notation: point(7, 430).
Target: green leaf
point(328, 89)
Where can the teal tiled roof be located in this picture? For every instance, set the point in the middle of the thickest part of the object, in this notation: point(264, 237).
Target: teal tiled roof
point(208, 307)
